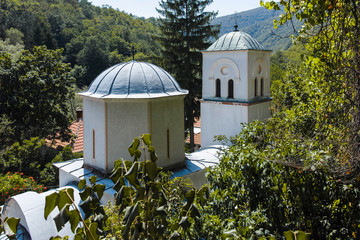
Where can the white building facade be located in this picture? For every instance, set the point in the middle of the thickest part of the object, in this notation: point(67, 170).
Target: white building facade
point(126, 101)
point(235, 87)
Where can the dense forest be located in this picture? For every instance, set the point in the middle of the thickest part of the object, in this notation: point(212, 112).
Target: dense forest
point(93, 38)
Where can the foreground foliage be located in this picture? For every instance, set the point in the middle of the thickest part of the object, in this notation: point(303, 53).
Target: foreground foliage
point(300, 169)
point(147, 204)
point(263, 196)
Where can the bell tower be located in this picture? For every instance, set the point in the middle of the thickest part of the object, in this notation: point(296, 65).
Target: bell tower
point(235, 85)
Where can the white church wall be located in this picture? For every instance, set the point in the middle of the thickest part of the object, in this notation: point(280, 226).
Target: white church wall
point(94, 126)
point(260, 111)
point(125, 120)
point(259, 67)
point(221, 119)
point(65, 178)
point(168, 114)
point(225, 65)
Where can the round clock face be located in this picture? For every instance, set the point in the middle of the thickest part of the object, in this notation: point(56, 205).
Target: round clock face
point(224, 70)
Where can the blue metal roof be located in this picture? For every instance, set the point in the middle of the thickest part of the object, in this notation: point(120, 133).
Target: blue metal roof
point(134, 80)
point(236, 40)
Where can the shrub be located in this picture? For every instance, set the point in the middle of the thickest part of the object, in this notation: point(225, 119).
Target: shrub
point(13, 184)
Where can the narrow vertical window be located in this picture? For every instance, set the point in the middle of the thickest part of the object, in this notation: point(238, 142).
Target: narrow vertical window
point(93, 144)
point(255, 88)
point(231, 89)
point(262, 87)
point(217, 88)
point(168, 142)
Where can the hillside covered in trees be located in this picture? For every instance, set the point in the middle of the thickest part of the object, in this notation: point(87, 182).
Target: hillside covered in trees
point(258, 22)
point(93, 38)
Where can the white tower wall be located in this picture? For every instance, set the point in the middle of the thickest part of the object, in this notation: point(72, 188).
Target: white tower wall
point(238, 57)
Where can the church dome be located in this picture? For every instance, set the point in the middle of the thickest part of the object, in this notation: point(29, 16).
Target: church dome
point(134, 80)
point(236, 40)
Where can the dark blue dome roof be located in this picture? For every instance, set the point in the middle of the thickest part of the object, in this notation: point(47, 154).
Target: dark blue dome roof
point(134, 80)
point(236, 40)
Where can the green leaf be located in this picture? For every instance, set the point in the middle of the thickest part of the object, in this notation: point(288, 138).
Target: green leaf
point(194, 211)
point(116, 174)
point(131, 175)
point(120, 194)
point(204, 190)
point(147, 139)
point(134, 213)
point(93, 230)
point(93, 179)
point(51, 202)
point(184, 223)
point(85, 193)
point(64, 197)
point(74, 219)
point(151, 170)
point(175, 236)
point(137, 155)
point(119, 184)
point(161, 211)
point(300, 235)
point(140, 193)
point(10, 226)
point(190, 196)
point(99, 189)
point(127, 212)
point(153, 156)
point(86, 206)
point(62, 218)
point(152, 229)
point(289, 235)
point(82, 184)
point(134, 146)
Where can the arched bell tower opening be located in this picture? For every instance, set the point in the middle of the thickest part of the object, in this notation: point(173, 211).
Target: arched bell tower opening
point(236, 85)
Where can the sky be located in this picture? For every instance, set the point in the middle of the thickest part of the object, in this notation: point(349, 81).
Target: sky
point(146, 8)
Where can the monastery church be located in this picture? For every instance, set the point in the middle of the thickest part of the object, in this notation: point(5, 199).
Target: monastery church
point(133, 98)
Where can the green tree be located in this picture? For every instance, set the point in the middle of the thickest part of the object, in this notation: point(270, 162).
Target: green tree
point(300, 168)
point(94, 56)
point(332, 31)
point(35, 90)
point(186, 30)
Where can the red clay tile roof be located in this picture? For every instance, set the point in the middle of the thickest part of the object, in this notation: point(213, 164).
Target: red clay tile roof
point(197, 136)
point(197, 139)
point(197, 123)
point(77, 144)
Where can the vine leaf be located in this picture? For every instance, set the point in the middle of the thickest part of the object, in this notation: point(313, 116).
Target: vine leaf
point(82, 184)
point(10, 226)
point(147, 139)
point(151, 170)
point(50, 203)
point(99, 189)
point(131, 175)
point(64, 197)
point(74, 219)
point(153, 155)
point(62, 218)
point(134, 146)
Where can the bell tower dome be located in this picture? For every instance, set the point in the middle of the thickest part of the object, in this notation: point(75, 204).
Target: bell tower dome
point(235, 87)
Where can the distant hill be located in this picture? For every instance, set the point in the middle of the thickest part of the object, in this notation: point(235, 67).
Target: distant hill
point(258, 23)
